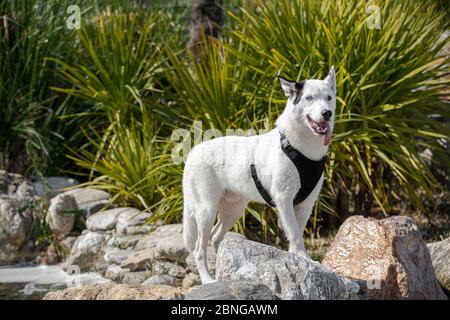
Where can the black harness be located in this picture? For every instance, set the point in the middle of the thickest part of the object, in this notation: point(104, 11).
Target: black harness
point(309, 171)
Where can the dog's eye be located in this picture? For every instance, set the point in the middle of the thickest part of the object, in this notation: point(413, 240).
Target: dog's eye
point(309, 98)
point(329, 98)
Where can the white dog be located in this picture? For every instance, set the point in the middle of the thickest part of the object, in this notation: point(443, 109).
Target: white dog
point(283, 167)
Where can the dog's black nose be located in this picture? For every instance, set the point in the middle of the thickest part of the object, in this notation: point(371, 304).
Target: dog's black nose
point(326, 114)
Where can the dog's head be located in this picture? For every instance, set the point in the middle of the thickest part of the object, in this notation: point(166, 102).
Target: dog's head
point(312, 103)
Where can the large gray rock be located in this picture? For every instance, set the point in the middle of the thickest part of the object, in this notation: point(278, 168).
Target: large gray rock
point(18, 209)
point(288, 275)
point(52, 186)
point(90, 200)
point(389, 255)
point(16, 222)
point(231, 290)
point(106, 220)
point(440, 256)
point(15, 186)
point(61, 214)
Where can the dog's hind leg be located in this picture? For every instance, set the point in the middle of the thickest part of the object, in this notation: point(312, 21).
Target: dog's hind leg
point(229, 213)
point(205, 222)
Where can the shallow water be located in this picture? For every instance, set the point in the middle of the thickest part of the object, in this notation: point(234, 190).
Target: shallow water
point(33, 282)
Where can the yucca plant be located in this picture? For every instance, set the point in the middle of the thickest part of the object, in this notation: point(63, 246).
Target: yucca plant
point(134, 167)
point(122, 56)
point(389, 84)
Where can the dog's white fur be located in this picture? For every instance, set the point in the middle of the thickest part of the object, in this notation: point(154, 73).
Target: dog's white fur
point(217, 174)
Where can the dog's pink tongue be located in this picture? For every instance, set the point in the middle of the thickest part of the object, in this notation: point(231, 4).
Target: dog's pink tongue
point(327, 137)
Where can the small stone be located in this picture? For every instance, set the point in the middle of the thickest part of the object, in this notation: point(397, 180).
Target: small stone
point(159, 280)
point(173, 248)
point(172, 269)
point(106, 220)
point(140, 260)
point(116, 256)
point(115, 273)
point(135, 278)
point(190, 280)
point(133, 221)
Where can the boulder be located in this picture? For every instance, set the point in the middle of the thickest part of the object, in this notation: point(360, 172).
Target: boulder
point(61, 214)
point(288, 275)
point(440, 256)
point(16, 223)
point(106, 220)
point(89, 200)
point(111, 291)
point(133, 222)
point(389, 255)
point(52, 186)
point(231, 290)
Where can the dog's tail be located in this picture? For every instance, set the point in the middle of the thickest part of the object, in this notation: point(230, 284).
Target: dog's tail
point(189, 229)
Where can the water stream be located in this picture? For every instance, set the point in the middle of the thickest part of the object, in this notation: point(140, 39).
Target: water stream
point(31, 282)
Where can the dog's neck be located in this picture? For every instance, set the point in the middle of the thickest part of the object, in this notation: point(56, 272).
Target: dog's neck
point(302, 138)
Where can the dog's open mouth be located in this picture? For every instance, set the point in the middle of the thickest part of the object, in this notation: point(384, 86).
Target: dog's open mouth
point(323, 128)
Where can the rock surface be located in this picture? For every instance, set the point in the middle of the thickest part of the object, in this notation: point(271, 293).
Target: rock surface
point(89, 200)
point(288, 275)
point(52, 186)
point(18, 209)
point(87, 252)
point(61, 214)
point(231, 290)
point(133, 222)
point(389, 255)
point(111, 291)
point(16, 222)
point(14, 185)
point(440, 256)
point(106, 220)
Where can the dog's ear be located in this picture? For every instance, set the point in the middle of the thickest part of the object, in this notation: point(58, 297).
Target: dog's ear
point(331, 79)
point(291, 89)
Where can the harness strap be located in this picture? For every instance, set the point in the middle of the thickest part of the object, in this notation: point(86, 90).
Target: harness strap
point(309, 172)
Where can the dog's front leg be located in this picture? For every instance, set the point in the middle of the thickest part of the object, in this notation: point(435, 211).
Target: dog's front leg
point(290, 226)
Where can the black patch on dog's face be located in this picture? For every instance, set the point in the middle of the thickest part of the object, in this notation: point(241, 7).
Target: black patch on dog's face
point(298, 91)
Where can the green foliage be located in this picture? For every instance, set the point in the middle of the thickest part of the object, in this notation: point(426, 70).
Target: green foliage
point(389, 82)
point(28, 109)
